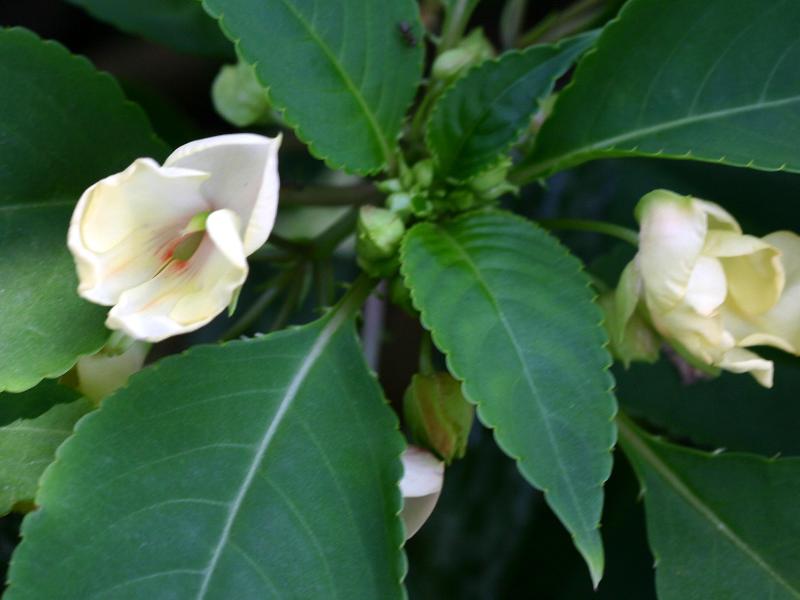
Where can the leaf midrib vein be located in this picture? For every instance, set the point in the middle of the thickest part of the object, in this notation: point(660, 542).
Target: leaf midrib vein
point(308, 362)
point(356, 93)
point(504, 321)
point(684, 491)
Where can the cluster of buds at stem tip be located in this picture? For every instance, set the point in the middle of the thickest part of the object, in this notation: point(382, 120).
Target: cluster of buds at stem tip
point(470, 51)
point(706, 288)
point(418, 192)
point(379, 232)
point(166, 246)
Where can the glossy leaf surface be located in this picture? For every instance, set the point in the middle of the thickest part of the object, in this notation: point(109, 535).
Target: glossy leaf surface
point(268, 467)
point(720, 526)
point(519, 327)
point(341, 70)
point(713, 81)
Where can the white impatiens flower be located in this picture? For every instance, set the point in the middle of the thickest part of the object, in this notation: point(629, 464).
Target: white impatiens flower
point(423, 476)
point(709, 289)
point(166, 246)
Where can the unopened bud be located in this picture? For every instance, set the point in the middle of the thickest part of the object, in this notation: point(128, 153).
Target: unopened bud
point(492, 184)
point(633, 340)
point(238, 96)
point(423, 173)
point(103, 373)
point(437, 414)
point(379, 233)
point(472, 50)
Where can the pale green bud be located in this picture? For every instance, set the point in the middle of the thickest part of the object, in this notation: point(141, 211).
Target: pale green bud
point(389, 186)
point(399, 203)
point(472, 50)
point(238, 96)
point(438, 416)
point(378, 236)
point(423, 173)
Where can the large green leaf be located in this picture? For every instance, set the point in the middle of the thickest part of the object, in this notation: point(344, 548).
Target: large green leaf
point(180, 24)
point(28, 443)
point(480, 116)
point(259, 469)
point(720, 526)
point(340, 70)
point(713, 80)
point(63, 126)
point(514, 314)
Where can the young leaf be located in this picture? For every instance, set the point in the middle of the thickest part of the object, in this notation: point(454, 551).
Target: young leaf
point(720, 526)
point(257, 469)
point(342, 71)
point(180, 24)
point(63, 126)
point(485, 112)
point(28, 443)
point(520, 329)
point(711, 81)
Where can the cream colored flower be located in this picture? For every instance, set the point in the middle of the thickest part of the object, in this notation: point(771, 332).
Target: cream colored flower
point(709, 289)
point(166, 246)
point(105, 372)
point(423, 476)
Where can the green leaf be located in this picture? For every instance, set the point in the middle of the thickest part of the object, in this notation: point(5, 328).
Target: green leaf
point(731, 411)
point(514, 314)
point(179, 24)
point(63, 126)
point(713, 81)
point(28, 444)
point(485, 112)
point(720, 526)
point(257, 469)
point(341, 70)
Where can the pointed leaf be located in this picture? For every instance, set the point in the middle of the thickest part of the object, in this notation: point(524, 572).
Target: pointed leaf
point(720, 526)
point(713, 80)
point(258, 469)
point(341, 70)
point(63, 126)
point(519, 327)
point(485, 112)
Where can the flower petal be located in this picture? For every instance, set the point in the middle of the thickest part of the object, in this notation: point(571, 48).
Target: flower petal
point(423, 476)
point(707, 288)
point(187, 294)
point(120, 224)
point(244, 179)
point(739, 360)
point(101, 373)
point(702, 336)
point(752, 267)
point(672, 233)
point(779, 326)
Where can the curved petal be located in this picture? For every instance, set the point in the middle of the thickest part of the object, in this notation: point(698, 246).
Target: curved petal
point(740, 360)
point(423, 477)
point(702, 336)
point(187, 294)
point(719, 219)
point(244, 178)
point(707, 288)
point(752, 267)
point(779, 326)
point(672, 233)
point(122, 222)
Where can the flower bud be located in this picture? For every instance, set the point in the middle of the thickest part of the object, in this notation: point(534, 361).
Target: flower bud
point(238, 96)
point(472, 50)
point(437, 415)
point(423, 173)
point(389, 186)
point(379, 233)
point(103, 373)
point(492, 184)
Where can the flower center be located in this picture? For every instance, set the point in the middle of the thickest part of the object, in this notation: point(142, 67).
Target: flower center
point(184, 247)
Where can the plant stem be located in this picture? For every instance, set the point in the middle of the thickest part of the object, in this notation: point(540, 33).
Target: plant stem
point(292, 298)
point(354, 298)
point(560, 24)
point(455, 22)
point(372, 331)
point(329, 240)
point(617, 231)
point(355, 195)
point(426, 354)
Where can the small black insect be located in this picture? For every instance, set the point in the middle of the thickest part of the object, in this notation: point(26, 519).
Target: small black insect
point(407, 33)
